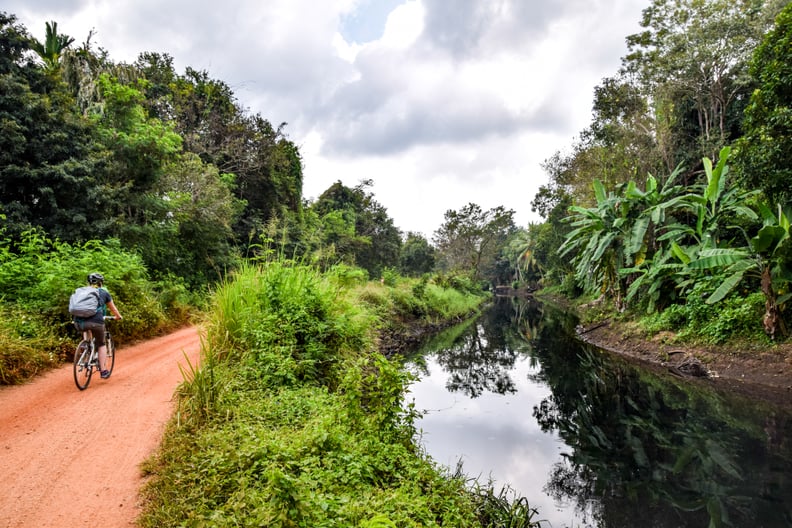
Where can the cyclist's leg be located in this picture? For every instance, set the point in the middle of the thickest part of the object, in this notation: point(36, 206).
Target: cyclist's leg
point(98, 331)
point(102, 347)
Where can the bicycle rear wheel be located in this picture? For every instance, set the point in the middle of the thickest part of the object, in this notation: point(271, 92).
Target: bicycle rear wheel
point(110, 361)
point(82, 365)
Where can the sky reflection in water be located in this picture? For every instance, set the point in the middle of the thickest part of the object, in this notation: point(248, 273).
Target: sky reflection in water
point(495, 435)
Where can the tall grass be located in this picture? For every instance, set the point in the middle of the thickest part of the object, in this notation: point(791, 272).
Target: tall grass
point(283, 314)
point(418, 299)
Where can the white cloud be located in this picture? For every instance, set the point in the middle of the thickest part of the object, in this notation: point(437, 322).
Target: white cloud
point(439, 103)
point(404, 25)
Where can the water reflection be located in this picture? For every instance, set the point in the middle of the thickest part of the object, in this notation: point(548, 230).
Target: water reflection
point(612, 445)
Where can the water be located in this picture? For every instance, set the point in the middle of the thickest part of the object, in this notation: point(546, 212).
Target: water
point(591, 440)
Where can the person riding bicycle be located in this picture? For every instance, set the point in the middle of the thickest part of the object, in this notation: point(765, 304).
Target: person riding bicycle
point(96, 323)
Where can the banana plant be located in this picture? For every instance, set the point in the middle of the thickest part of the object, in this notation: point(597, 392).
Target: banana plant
point(711, 205)
point(654, 266)
point(765, 257)
point(602, 242)
point(50, 50)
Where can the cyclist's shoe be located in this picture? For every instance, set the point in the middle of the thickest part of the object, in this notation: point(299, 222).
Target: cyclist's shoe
point(105, 374)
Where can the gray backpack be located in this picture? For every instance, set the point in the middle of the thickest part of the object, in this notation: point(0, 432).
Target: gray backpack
point(84, 302)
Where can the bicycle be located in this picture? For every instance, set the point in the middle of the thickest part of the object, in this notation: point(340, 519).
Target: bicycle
point(86, 357)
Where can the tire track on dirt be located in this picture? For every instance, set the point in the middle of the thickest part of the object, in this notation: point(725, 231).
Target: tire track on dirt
point(48, 478)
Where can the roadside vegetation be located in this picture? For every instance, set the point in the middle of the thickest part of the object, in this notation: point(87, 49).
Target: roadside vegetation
point(293, 418)
point(37, 276)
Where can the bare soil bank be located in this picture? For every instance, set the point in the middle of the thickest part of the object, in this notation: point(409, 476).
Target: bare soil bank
point(760, 373)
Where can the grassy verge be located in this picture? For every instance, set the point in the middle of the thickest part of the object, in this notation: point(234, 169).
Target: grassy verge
point(294, 419)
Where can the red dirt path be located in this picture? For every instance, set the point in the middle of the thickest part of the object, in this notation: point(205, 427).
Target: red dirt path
point(47, 477)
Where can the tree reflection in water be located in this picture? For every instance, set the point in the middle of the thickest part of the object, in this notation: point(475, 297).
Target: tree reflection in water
point(480, 355)
point(642, 448)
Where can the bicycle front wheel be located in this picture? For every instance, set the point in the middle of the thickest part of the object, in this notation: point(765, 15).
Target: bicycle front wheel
point(110, 361)
point(82, 365)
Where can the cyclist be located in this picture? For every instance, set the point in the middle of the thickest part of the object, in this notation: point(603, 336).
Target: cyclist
point(96, 323)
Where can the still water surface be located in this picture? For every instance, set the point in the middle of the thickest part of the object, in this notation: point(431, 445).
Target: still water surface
point(591, 440)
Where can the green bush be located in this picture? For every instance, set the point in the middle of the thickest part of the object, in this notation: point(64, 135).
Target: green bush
point(390, 277)
point(290, 310)
point(347, 276)
point(38, 275)
point(28, 345)
point(736, 316)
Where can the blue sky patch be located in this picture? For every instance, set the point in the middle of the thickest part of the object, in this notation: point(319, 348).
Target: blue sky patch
point(367, 22)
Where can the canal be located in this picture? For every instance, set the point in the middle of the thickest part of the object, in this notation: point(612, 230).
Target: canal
point(590, 439)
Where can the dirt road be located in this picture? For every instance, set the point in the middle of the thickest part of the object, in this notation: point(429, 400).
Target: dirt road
point(47, 476)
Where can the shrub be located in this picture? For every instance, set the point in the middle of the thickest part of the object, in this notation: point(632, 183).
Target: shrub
point(292, 311)
point(734, 317)
point(347, 276)
point(28, 345)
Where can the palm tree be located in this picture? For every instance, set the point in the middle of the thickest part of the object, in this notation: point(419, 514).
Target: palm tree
point(520, 253)
point(50, 51)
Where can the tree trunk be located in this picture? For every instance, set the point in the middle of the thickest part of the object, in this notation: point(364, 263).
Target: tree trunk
point(773, 323)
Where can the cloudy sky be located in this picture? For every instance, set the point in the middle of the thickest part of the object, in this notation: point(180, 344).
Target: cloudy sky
point(439, 102)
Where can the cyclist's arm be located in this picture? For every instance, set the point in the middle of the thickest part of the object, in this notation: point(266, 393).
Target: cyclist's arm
point(114, 310)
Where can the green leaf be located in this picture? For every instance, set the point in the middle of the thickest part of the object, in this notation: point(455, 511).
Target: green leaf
point(599, 191)
point(718, 258)
point(720, 458)
point(784, 298)
point(725, 287)
point(769, 235)
point(680, 253)
point(684, 459)
point(651, 184)
point(604, 244)
point(637, 235)
point(712, 180)
point(632, 191)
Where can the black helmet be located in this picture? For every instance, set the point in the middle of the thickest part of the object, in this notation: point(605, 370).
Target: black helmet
point(96, 278)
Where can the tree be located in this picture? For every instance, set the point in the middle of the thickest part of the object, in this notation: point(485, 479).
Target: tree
point(140, 146)
point(519, 253)
point(188, 223)
point(267, 165)
point(599, 243)
point(52, 47)
point(358, 227)
point(417, 255)
point(692, 64)
point(48, 153)
point(764, 153)
point(766, 258)
point(14, 43)
point(470, 240)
